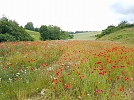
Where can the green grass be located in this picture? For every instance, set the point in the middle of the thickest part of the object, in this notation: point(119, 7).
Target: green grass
point(66, 70)
point(35, 35)
point(78, 36)
point(85, 36)
point(125, 35)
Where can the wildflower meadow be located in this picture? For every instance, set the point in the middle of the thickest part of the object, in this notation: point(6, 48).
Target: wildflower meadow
point(66, 70)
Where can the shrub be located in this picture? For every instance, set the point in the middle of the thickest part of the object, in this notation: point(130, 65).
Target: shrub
point(6, 37)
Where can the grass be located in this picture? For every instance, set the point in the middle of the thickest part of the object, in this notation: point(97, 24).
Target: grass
point(85, 36)
point(78, 36)
point(124, 35)
point(35, 35)
point(66, 70)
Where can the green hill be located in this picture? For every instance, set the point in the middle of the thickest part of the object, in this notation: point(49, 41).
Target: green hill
point(124, 35)
point(35, 35)
point(85, 36)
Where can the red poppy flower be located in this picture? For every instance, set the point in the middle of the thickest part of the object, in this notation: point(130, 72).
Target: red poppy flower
point(122, 88)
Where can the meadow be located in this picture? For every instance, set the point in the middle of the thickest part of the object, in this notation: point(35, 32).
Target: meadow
point(66, 70)
point(35, 35)
point(85, 36)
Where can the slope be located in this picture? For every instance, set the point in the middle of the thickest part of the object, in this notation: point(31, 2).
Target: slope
point(85, 36)
point(35, 35)
point(125, 35)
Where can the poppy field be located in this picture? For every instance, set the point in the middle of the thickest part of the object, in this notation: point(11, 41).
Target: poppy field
point(66, 70)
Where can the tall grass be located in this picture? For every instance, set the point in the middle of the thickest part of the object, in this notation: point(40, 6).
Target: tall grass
point(66, 70)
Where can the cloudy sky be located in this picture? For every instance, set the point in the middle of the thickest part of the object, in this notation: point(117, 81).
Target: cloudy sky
point(70, 15)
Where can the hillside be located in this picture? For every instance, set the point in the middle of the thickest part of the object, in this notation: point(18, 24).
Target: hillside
point(35, 35)
point(85, 36)
point(124, 35)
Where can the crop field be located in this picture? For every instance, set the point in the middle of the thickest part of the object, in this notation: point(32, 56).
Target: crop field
point(85, 36)
point(66, 70)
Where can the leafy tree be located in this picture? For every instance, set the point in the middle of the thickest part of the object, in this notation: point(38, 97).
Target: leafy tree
point(12, 31)
point(37, 29)
point(29, 26)
point(52, 33)
point(64, 35)
point(44, 33)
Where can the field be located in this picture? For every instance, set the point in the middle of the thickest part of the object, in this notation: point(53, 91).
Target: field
point(124, 35)
point(66, 70)
point(78, 36)
point(85, 36)
point(35, 35)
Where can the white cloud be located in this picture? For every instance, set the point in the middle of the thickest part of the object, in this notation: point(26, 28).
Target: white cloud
point(70, 15)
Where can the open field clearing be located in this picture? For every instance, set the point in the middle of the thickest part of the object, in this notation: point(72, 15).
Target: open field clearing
point(35, 35)
point(85, 36)
point(66, 70)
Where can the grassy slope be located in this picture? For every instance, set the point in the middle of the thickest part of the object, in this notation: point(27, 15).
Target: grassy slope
point(35, 35)
point(85, 36)
point(124, 35)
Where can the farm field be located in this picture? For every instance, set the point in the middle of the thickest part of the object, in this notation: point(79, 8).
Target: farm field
point(66, 70)
point(85, 36)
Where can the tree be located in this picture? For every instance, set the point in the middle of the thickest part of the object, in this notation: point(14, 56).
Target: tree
point(11, 31)
point(52, 33)
point(64, 35)
point(44, 33)
point(29, 26)
point(37, 29)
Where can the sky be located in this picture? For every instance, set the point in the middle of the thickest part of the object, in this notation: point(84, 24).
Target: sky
point(69, 15)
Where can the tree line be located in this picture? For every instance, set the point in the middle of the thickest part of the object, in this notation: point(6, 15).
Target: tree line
point(11, 31)
point(111, 29)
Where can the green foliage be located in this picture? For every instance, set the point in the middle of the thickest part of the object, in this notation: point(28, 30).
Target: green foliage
point(44, 33)
point(81, 31)
point(11, 31)
point(112, 28)
point(71, 36)
point(52, 33)
point(6, 37)
point(36, 29)
point(29, 26)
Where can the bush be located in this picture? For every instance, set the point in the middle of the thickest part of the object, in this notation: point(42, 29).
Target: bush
point(71, 36)
point(6, 37)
